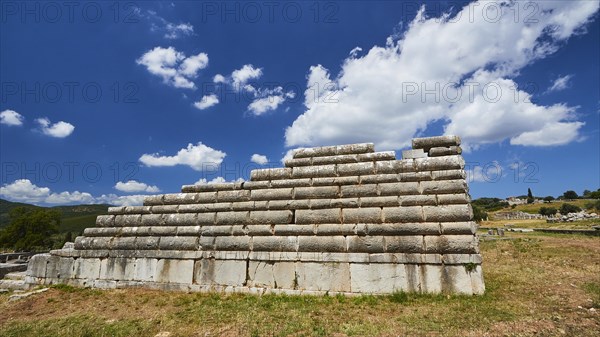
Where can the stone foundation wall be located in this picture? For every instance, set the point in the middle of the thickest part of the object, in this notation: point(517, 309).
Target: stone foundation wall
point(341, 219)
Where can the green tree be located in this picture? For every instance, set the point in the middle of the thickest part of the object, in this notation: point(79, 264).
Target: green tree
point(570, 195)
point(479, 214)
point(569, 208)
point(548, 198)
point(30, 229)
point(529, 196)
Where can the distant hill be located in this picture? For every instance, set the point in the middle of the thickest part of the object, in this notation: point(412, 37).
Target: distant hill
point(74, 218)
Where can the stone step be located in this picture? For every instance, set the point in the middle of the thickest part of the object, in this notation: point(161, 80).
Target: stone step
point(13, 284)
point(17, 276)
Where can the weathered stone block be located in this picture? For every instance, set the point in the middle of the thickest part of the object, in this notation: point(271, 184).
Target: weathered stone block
point(232, 218)
point(321, 244)
point(356, 169)
point(365, 244)
point(220, 272)
point(232, 243)
point(448, 213)
point(364, 215)
point(174, 271)
point(179, 243)
point(314, 171)
point(286, 183)
point(319, 216)
point(403, 214)
point(322, 192)
point(412, 154)
point(271, 217)
point(349, 191)
point(444, 151)
point(323, 276)
point(443, 186)
point(275, 243)
point(404, 244)
point(239, 195)
point(272, 194)
point(429, 142)
point(402, 188)
point(105, 220)
point(285, 230)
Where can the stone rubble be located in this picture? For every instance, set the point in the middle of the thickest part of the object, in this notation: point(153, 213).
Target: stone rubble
point(335, 219)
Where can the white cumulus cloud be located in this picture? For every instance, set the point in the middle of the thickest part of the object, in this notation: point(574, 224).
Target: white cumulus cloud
point(11, 117)
point(217, 180)
point(241, 76)
point(456, 69)
point(199, 157)
point(173, 66)
point(207, 101)
point(59, 129)
point(259, 159)
point(23, 190)
point(121, 200)
point(136, 186)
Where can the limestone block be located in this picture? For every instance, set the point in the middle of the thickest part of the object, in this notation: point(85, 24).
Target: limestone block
point(145, 269)
point(468, 227)
point(116, 210)
point(403, 214)
point(134, 231)
point(152, 200)
point(322, 192)
point(362, 215)
point(260, 230)
point(431, 278)
point(412, 154)
point(448, 174)
point(377, 156)
point(365, 244)
point(87, 268)
point(443, 186)
point(152, 220)
point(429, 142)
point(320, 203)
point(220, 272)
point(377, 278)
point(163, 231)
point(261, 274)
point(117, 269)
point(37, 265)
point(146, 243)
point(137, 210)
point(232, 218)
point(321, 244)
point(238, 195)
point(355, 169)
point(392, 229)
point(417, 200)
point(343, 159)
point(298, 162)
point(461, 259)
point(164, 209)
point(318, 216)
point(452, 244)
point(413, 277)
point(206, 219)
point(452, 199)
point(105, 220)
point(314, 171)
point(456, 279)
point(315, 152)
point(179, 243)
point(272, 194)
point(183, 219)
point(444, 151)
point(448, 213)
point(290, 183)
point(403, 188)
point(127, 243)
point(477, 283)
point(59, 267)
point(284, 274)
point(271, 174)
point(369, 190)
point(285, 230)
point(286, 204)
point(128, 220)
point(254, 185)
point(212, 187)
point(335, 229)
point(415, 176)
point(344, 203)
point(207, 243)
point(179, 198)
point(404, 244)
point(386, 167)
point(323, 276)
point(232, 243)
point(335, 181)
point(271, 217)
point(440, 163)
point(174, 271)
point(93, 231)
point(275, 243)
point(243, 206)
point(223, 230)
point(355, 148)
point(380, 178)
point(189, 230)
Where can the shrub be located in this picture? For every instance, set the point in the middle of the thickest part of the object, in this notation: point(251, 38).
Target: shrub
point(569, 208)
point(547, 211)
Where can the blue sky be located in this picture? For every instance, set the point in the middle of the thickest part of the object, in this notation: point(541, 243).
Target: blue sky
point(111, 101)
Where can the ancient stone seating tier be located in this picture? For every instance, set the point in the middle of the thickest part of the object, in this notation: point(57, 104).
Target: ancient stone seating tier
point(336, 219)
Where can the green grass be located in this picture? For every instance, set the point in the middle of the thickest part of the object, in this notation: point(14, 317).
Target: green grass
point(535, 208)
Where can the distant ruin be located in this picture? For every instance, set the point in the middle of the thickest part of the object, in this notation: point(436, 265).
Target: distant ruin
point(336, 219)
